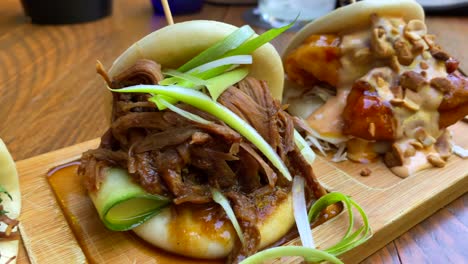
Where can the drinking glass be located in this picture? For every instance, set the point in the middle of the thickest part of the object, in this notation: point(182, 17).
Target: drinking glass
point(281, 12)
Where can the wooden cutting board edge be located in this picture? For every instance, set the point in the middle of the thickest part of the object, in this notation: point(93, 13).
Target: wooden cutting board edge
point(34, 171)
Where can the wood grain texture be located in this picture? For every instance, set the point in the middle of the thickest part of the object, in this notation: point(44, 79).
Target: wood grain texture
point(51, 97)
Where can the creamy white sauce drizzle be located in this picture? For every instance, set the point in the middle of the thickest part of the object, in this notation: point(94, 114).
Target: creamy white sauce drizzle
point(416, 121)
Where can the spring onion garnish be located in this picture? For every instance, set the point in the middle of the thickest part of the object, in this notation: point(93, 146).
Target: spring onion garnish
point(305, 149)
point(246, 47)
point(255, 43)
point(290, 251)
point(216, 51)
point(194, 81)
point(205, 103)
point(2, 190)
point(224, 50)
point(300, 212)
point(160, 100)
point(217, 85)
point(219, 198)
point(232, 60)
point(123, 204)
point(160, 106)
point(350, 239)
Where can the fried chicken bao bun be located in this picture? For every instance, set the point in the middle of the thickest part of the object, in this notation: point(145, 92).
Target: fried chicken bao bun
point(182, 230)
point(344, 19)
point(176, 44)
point(369, 79)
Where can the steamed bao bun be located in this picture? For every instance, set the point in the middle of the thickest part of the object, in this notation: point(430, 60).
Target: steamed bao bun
point(181, 230)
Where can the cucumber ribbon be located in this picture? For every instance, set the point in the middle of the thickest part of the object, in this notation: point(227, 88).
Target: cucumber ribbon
point(123, 204)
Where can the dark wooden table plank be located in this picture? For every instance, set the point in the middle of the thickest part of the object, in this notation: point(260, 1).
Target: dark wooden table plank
point(442, 238)
point(51, 98)
point(386, 255)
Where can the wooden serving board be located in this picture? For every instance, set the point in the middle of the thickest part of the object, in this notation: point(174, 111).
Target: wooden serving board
point(393, 204)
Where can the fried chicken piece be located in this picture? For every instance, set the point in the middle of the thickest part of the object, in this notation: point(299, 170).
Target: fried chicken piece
point(366, 115)
point(318, 59)
point(454, 105)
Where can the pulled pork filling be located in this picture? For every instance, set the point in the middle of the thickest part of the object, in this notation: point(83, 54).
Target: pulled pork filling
point(394, 92)
point(170, 155)
point(8, 233)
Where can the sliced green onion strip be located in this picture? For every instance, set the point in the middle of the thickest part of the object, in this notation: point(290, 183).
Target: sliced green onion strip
point(160, 106)
point(350, 239)
point(216, 51)
point(219, 198)
point(363, 233)
point(212, 72)
point(329, 199)
point(247, 47)
point(169, 81)
point(159, 99)
point(305, 149)
point(123, 204)
point(217, 85)
point(291, 251)
point(205, 103)
point(300, 212)
point(232, 60)
point(2, 190)
point(255, 43)
point(183, 76)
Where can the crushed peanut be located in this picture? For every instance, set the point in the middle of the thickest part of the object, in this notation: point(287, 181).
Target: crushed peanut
point(372, 129)
point(423, 137)
point(403, 52)
point(423, 65)
point(439, 54)
point(436, 160)
point(412, 80)
point(442, 84)
point(415, 29)
point(417, 145)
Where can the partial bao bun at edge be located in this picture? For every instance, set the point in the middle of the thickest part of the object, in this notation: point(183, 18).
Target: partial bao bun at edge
point(9, 180)
point(176, 44)
point(171, 47)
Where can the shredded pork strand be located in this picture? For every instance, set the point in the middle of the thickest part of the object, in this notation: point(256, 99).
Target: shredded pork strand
point(11, 224)
point(170, 155)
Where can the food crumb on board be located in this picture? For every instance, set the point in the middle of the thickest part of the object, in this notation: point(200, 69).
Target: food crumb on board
point(365, 172)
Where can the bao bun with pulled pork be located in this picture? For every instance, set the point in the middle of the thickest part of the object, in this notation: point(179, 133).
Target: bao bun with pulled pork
point(169, 156)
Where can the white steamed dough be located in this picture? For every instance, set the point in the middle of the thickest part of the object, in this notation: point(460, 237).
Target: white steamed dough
point(176, 44)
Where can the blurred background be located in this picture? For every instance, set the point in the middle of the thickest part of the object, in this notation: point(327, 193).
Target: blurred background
point(264, 13)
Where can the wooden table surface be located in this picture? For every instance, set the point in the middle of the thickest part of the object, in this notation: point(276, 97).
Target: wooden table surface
point(51, 98)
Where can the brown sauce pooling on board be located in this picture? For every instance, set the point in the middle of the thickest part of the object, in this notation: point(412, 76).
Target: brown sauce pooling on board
point(100, 244)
